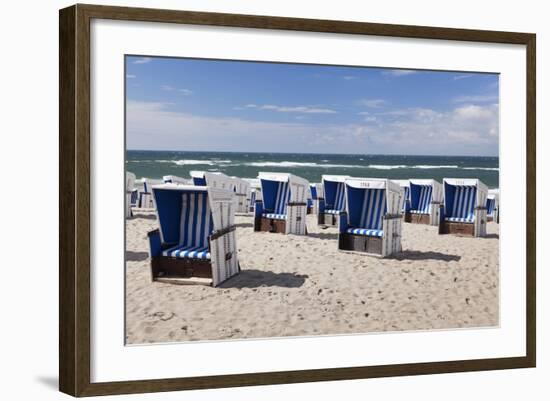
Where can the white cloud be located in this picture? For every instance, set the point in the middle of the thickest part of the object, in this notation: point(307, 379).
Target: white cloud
point(373, 103)
point(465, 130)
point(170, 88)
point(462, 76)
point(130, 76)
point(143, 60)
point(292, 109)
point(399, 73)
point(476, 99)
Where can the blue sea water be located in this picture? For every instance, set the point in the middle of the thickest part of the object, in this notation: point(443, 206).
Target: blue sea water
point(155, 164)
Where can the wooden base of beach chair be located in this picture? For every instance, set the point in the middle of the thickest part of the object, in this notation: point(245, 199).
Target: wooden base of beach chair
point(417, 218)
point(360, 243)
point(490, 218)
point(270, 225)
point(456, 228)
point(328, 219)
point(165, 268)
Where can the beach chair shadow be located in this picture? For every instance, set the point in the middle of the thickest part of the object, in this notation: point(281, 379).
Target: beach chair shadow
point(430, 255)
point(324, 236)
point(136, 256)
point(251, 278)
point(244, 225)
point(493, 236)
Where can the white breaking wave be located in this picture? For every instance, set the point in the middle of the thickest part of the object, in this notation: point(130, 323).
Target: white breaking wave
point(385, 167)
point(187, 162)
point(429, 167)
point(482, 168)
point(298, 164)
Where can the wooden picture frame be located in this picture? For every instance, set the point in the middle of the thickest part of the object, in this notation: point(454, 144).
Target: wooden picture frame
point(74, 199)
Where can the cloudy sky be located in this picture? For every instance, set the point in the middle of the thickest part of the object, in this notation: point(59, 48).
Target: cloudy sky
point(187, 104)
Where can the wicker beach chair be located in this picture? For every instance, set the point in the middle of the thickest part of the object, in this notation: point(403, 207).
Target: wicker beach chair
point(283, 206)
point(372, 222)
point(195, 242)
point(145, 196)
point(130, 192)
point(425, 202)
point(174, 179)
point(493, 205)
point(465, 207)
point(333, 200)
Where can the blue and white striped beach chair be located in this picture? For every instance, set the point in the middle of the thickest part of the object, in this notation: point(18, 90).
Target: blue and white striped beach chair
point(242, 194)
point(426, 200)
point(174, 179)
point(493, 206)
point(372, 222)
point(283, 207)
point(465, 207)
point(333, 200)
point(130, 193)
point(196, 240)
point(405, 195)
point(145, 196)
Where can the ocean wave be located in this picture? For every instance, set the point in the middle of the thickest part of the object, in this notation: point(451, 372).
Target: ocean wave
point(299, 164)
point(482, 168)
point(188, 162)
point(425, 166)
point(385, 166)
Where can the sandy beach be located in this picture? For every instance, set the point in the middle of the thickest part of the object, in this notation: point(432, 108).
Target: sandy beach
point(303, 286)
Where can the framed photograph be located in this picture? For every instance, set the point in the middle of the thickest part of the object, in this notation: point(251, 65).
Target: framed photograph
point(250, 200)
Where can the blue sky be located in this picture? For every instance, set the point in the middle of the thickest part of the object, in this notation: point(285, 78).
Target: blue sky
point(211, 105)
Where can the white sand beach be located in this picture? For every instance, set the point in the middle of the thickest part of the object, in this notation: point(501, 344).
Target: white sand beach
point(302, 286)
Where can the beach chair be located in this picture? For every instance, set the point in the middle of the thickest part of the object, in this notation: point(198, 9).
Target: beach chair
point(283, 206)
point(255, 192)
point(493, 205)
point(130, 192)
point(372, 221)
point(145, 196)
point(195, 242)
point(176, 180)
point(214, 179)
point(405, 196)
point(425, 202)
point(242, 195)
point(465, 207)
point(333, 200)
point(313, 202)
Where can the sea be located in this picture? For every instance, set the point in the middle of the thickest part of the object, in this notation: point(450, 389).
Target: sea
point(156, 164)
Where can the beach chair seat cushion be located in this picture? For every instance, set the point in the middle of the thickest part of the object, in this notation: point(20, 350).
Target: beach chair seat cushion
point(332, 211)
point(365, 231)
point(460, 219)
point(275, 216)
point(190, 252)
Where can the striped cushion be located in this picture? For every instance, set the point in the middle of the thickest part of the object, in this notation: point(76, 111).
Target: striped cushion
point(274, 216)
point(463, 204)
point(191, 252)
point(364, 231)
point(374, 207)
point(196, 220)
point(460, 219)
point(332, 211)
